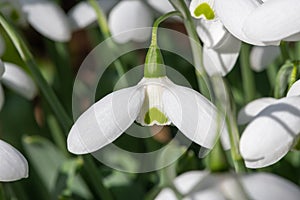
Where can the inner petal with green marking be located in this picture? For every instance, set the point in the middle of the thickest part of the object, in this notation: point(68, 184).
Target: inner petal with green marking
point(204, 9)
point(155, 115)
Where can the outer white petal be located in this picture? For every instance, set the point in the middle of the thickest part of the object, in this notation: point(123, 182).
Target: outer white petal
point(221, 61)
point(166, 193)
point(294, 90)
point(233, 14)
point(130, 16)
point(17, 79)
point(273, 20)
point(48, 19)
point(192, 114)
point(272, 133)
point(105, 121)
point(261, 57)
point(1, 97)
point(162, 6)
point(253, 108)
point(293, 38)
point(261, 186)
point(212, 33)
point(13, 165)
point(81, 15)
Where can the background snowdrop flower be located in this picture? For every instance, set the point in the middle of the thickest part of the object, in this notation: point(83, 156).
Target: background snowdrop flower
point(262, 56)
point(199, 185)
point(47, 18)
point(152, 101)
point(259, 22)
point(221, 49)
point(16, 79)
point(13, 164)
point(82, 14)
point(128, 15)
point(273, 131)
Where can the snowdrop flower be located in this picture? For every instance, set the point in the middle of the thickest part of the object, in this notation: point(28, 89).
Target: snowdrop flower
point(13, 164)
point(274, 128)
point(155, 100)
point(15, 78)
point(221, 49)
point(259, 22)
point(262, 56)
point(199, 185)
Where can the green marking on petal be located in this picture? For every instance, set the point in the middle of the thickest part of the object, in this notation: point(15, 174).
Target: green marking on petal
point(206, 10)
point(155, 115)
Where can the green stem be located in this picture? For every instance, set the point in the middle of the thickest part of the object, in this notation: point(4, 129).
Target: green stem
point(247, 73)
point(271, 73)
point(66, 122)
point(203, 80)
point(102, 22)
point(284, 51)
point(154, 63)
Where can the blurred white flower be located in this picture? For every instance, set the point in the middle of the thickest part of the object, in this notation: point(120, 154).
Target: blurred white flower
point(198, 185)
point(130, 17)
point(15, 78)
point(274, 128)
point(152, 101)
point(262, 56)
point(13, 164)
point(220, 49)
point(261, 22)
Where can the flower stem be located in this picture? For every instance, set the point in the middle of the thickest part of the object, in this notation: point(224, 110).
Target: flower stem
point(102, 22)
point(203, 80)
point(284, 51)
point(154, 63)
point(247, 73)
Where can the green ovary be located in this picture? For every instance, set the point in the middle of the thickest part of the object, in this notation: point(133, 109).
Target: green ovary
point(206, 10)
point(155, 115)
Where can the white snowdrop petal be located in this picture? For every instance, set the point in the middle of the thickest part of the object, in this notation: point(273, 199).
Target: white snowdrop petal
point(294, 90)
point(81, 16)
point(261, 57)
point(211, 33)
point(163, 6)
point(105, 121)
point(1, 97)
point(233, 14)
point(248, 112)
point(221, 61)
point(48, 19)
point(13, 164)
point(293, 38)
point(274, 20)
point(192, 114)
point(272, 133)
point(127, 20)
point(18, 80)
point(261, 186)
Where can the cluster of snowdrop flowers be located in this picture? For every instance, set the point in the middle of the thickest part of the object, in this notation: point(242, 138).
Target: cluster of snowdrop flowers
point(13, 164)
point(199, 185)
point(221, 49)
point(273, 130)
